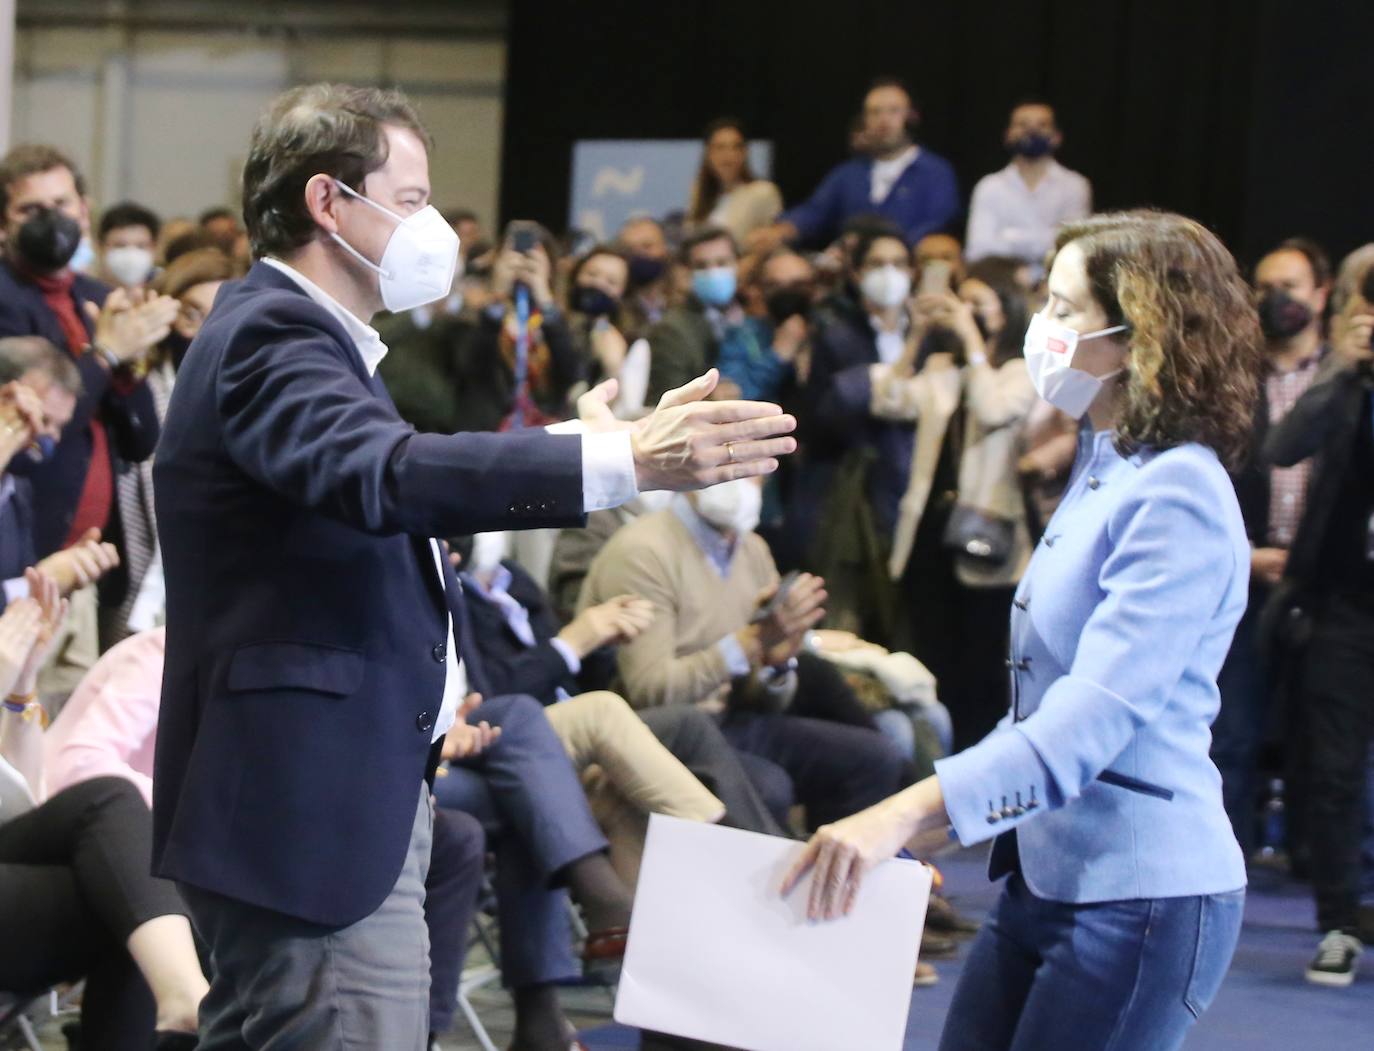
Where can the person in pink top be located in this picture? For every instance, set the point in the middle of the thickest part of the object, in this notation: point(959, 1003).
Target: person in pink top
point(108, 725)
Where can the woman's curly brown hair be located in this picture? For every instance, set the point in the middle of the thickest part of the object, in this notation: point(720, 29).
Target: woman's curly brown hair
point(1195, 345)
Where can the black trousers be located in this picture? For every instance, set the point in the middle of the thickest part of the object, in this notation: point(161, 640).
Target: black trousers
point(74, 885)
point(1337, 698)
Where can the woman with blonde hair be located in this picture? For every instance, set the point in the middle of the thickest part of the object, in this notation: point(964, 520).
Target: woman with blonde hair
point(1126, 886)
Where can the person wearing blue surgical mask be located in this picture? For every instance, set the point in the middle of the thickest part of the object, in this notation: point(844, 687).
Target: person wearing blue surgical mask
point(689, 338)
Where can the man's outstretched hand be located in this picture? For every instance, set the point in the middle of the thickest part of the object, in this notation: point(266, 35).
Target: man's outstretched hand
point(691, 443)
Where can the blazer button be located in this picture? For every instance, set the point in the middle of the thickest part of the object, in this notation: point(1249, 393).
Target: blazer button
point(440, 652)
point(424, 722)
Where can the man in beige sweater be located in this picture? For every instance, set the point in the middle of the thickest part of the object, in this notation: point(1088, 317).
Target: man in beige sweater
point(720, 639)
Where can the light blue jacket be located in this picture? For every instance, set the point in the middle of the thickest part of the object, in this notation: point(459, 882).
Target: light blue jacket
point(1118, 630)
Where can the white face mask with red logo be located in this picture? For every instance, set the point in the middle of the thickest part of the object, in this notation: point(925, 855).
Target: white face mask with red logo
point(1049, 351)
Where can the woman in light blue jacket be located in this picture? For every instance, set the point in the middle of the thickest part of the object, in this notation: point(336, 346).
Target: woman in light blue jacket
point(1126, 885)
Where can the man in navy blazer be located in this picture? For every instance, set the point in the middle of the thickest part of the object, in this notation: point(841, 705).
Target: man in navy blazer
point(312, 667)
point(894, 178)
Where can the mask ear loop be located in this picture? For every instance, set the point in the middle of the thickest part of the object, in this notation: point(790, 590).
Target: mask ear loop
point(348, 247)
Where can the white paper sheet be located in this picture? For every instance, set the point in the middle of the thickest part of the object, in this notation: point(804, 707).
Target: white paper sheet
point(715, 954)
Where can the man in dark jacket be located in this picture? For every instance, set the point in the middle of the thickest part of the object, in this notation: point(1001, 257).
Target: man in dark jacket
point(1329, 584)
point(687, 341)
point(1292, 281)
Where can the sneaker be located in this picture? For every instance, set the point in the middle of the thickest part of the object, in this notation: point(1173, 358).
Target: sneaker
point(1336, 961)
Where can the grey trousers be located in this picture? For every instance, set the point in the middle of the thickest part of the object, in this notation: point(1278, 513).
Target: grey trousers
point(281, 984)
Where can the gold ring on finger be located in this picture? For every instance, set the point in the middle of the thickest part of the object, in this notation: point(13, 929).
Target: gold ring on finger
point(730, 451)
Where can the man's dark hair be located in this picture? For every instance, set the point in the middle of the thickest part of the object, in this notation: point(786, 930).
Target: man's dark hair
point(868, 240)
point(214, 212)
point(129, 213)
point(21, 354)
point(31, 159)
point(1315, 255)
point(703, 236)
point(319, 129)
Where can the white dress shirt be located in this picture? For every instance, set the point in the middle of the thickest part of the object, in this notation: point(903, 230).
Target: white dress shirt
point(608, 474)
point(1008, 218)
point(886, 173)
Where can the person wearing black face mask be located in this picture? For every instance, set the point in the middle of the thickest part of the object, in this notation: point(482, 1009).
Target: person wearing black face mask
point(599, 283)
point(649, 293)
point(1292, 283)
point(772, 352)
point(1014, 212)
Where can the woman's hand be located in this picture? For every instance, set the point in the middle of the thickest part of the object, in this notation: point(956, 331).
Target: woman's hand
point(52, 609)
point(842, 854)
point(20, 625)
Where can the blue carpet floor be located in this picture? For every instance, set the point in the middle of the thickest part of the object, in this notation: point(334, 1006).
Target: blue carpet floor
point(1264, 1005)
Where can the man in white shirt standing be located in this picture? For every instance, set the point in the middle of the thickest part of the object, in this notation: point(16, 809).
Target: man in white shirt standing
point(312, 661)
point(1014, 212)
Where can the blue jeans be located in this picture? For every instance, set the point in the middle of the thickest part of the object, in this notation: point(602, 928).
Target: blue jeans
point(1116, 976)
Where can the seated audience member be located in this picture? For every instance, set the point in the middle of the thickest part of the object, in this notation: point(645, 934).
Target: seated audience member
point(528, 797)
point(773, 347)
point(521, 362)
point(39, 388)
point(1328, 579)
point(716, 642)
point(127, 243)
point(726, 192)
point(192, 280)
point(688, 340)
point(1015, 212)
point(107, 729)
point(961, 543)
point(75, 891)
point(904, 183)
point(1292, 283)
point(650, 292)
point(426, 352)
point(576, 549)
point(598, 284)
point(523, 650)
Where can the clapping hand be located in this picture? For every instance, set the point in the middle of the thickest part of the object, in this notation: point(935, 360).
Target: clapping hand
point(84, 562)
point(622, 619)
point(132, 323)
point(689, 442)
point(464, 741)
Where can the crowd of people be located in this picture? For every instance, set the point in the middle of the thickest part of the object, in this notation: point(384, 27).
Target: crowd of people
point(771, 654)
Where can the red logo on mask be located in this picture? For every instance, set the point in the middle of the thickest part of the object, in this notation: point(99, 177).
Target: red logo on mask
point(1056, 346)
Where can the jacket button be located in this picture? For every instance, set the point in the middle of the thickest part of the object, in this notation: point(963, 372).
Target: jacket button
point(440, 652)
point(424, 722)
point(1093, 483)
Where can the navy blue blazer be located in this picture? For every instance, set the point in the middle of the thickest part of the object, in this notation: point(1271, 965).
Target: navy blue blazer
point(16, 533)
point(509, 665)
point(127, 410)
point(923, 200)
point(306, 623)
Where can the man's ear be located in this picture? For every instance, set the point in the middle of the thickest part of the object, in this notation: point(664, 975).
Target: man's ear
point(322, 199)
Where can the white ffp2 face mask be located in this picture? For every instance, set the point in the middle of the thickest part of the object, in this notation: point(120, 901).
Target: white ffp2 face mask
point(886, 286)
point(488, 549)
point(129, 264)
point(419, 260)
point(1049, 350)
point(733, 507)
